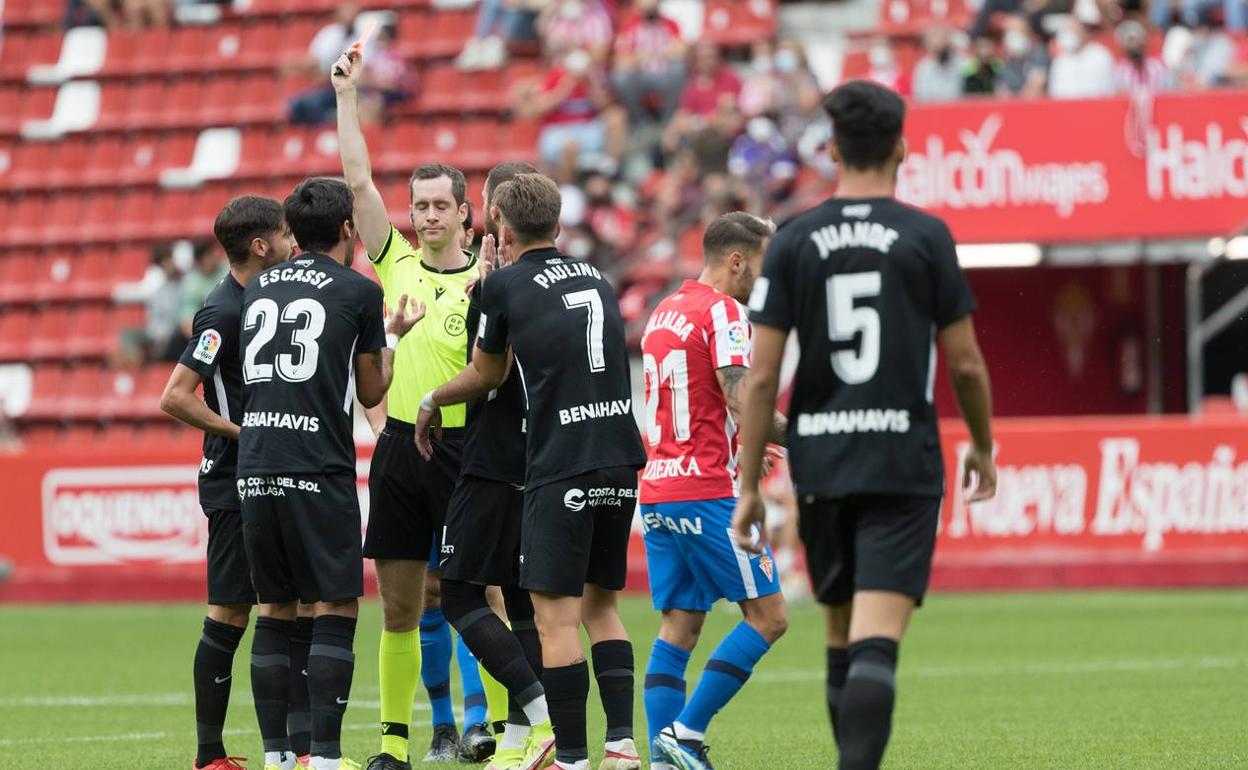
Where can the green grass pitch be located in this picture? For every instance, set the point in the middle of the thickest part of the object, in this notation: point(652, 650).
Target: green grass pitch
point(994, 681)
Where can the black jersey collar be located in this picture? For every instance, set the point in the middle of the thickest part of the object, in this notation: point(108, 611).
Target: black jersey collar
point(472, 262)
point(541, 255)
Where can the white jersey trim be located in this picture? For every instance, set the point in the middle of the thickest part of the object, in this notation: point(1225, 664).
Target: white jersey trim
point(348, 399)
point(743, 566)
point(223, 404)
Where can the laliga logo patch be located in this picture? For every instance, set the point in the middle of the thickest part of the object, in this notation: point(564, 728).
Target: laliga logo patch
point(767, 566)
point(737, 337)
point(574, 500)
point(209, 344)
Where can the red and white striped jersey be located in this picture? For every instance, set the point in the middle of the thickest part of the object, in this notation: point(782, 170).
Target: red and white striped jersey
point(691, 435)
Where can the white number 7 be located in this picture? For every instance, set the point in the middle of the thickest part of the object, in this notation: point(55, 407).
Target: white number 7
point(592, 302)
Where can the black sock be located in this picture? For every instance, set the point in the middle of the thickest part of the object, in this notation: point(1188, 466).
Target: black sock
point(865, 712)
point(520, 612)
point(613, 668)
point(331, 664)
point(270, 679)
point(567, 690)
point(214, 664)
point(838, 665)
point(298, 717)
point(497, 649)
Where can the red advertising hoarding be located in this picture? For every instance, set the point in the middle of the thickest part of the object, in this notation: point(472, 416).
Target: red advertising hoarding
point(1066, 171)
point(1082, 502)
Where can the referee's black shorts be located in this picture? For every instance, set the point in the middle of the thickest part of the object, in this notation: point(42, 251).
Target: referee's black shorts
point(408, 495)
point(868, 543)
point(481, 542)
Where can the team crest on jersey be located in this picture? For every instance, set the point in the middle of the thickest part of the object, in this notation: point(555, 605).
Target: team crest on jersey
point(738, 339)
point(574, 500)
point(209, 344)
point(454, 324)
point(767, 566)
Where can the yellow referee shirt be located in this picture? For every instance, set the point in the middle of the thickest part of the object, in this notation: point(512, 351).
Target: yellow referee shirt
point(436, 350)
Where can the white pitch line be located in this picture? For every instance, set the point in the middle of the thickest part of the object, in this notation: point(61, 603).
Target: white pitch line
point(153, 736)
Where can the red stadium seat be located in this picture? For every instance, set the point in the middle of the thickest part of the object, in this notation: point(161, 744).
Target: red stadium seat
point(444, 35)
point(188, 49)
point(183, 103)
point(15, 330)
point(19, 273)
point(171, 216)
point(739, 22)
point(103, 160)
point(521, 136)
point(58, 272)
point(84, 392)
point(259, 100)
point(47, 392)
point(258, 45)
point(13, 62)
point(255, 154)
point(10, 116)
point(219, 104)
point(27, 221)
point(145, 106)
point(31, 161)
point(294, 44)
point(94, 276)
point(34, 13)
point(89, 331)
point(153, 50)
point(40, 48)
point(441, 90)
point(69, 163)
point(137, 161)
point(36, 104)
point(51, 333)
point(123, 46)
point(134, 215)
point(64, 218)
point(100, 221)
point(402, 147)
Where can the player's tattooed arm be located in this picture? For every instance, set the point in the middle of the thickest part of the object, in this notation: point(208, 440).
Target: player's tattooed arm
point(730, 381)
point(181, 402)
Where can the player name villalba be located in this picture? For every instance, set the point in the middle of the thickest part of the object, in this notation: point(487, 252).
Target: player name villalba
point(281, 420)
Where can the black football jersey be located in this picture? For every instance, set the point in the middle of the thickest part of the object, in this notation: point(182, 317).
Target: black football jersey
point(213, 353)
point(303, 323)
point(867, 283)
point(494, 435)
point(563, 323)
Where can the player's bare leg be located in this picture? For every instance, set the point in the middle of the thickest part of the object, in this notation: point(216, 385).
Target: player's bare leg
point(565, 676)
point(224, 625)
point(613, 668)
point(864, 712)
point(401, 583)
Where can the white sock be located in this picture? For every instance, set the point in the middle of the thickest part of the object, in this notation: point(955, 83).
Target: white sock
point(536, 710)
point(581, 765)
point(283, 759)
point(514, 736)
point(685, 734)
point(661, 766)
point(622, 744)
point(323, 763)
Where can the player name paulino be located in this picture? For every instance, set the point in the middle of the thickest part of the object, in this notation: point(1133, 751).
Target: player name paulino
point(847, 235)
point(282, 420)
point(595, 411)
point(297, 275)
point(854, 421)
point(561, 271)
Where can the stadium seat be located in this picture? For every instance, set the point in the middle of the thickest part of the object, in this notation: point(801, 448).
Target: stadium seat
point(76, 108)
point(100, 218)
point(219, 105)
point(443, 35)
point(260, 100)
point(16, 324)
point(27, 221)
point(19, 273)
point(183, 104)
point(154, 49)
point(33, 104)
point(258, 45)
point(221, 49)
point(735, 23)
point(40, 48)
point(170, 217)
point(63, 217)
point(29, 170)
point(139, 159)
point(51, 333)
point(256, 152)
point(135, 212)
point(83, 393)
point(47, 393)
point(95, 275)
point(10, 115)
point(34, 13)
point(82, 54)
point(188, 48)
point(57, 273)
point(69, 162)
point(89, 331)
point(144, 106)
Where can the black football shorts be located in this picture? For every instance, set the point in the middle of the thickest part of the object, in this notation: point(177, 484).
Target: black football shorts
point(229, 574)
point(481, 541)
point(303, 537)
point(408, 495)
point(576, 531)
point(868, 543)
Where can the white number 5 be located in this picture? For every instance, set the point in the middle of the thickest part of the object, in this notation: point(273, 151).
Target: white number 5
point(845, 320)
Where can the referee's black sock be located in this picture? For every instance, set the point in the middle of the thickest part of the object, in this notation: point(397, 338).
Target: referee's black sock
point(838, 666)
point(567, 690)
point(331, 664)
point(270, 680)
point(865, 712)
point(613, 668)
point(214, 664)
point(298, 716)
point(496, 648)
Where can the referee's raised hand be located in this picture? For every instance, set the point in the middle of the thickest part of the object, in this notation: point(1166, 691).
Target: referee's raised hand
point(345, 74)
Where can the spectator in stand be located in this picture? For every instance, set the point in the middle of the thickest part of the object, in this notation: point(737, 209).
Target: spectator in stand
point(1138, 74)
point(613, 222)
point(1025, 69)
point(649, 63)
point(1083, 68)
point(1202, 56)
point(1234, 13)
point(161, 295)
point(711, 95)
point(387, 80)
point(883, 67)
point(133, 15)
point(499, 22)
point(984, 70)
point(939, 75)
point(566, 25)
point(783, 88)
point(207, 270)
point(318, 105)
point(581, 127)
point(763, 165)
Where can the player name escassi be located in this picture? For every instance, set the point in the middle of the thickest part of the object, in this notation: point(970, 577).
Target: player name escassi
point(562, 271)
point(854, 421)
point(595, 411)
point(281, 420)
point(296, 275)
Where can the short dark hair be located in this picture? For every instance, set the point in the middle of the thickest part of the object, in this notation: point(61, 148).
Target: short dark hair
point(468, 219)
point(244, 219)
point(736, 231)
point(867, 120)
point(530, 206)
point(316, 210)
point(505, 172)
point(459, 186)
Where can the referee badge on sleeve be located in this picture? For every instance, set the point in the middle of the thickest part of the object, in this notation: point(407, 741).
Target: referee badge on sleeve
point(209, 344)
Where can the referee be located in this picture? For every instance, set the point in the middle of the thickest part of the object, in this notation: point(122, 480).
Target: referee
point(409, 495)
